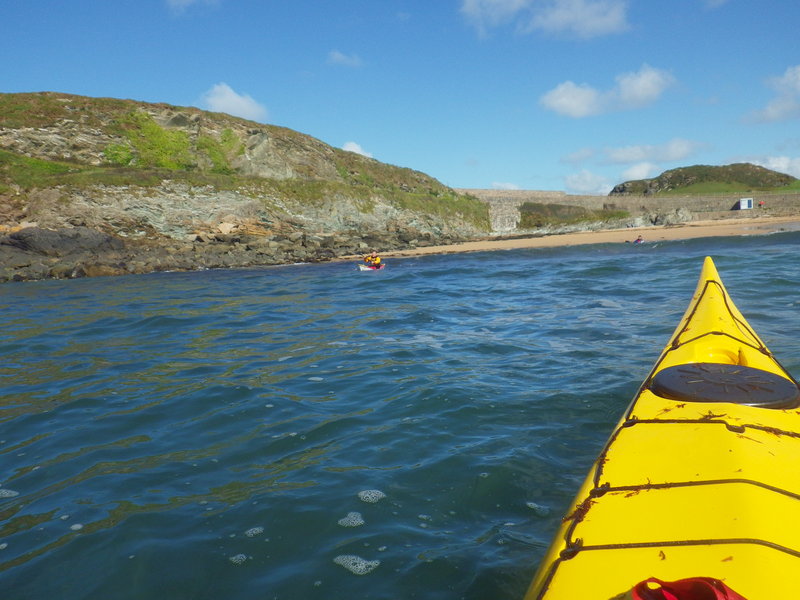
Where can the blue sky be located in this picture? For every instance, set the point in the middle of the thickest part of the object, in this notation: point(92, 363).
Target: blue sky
point(572, 95)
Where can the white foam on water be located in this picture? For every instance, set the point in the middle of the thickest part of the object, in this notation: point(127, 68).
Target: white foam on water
point(254, 531)
point(353, 519)
point(8, 493)
point(540, 510)
point(3, 546)
point(371, 496)
point(76, 527)
point(316, 379)
point(237, 559)
point(356, 564)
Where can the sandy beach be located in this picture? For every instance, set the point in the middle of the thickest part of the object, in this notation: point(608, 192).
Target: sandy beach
point(693, 229)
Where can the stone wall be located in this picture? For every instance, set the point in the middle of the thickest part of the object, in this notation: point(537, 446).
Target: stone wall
point(504, 204)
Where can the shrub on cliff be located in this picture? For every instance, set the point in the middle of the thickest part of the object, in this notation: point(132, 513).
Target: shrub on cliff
point(150, 145)
point(536, 216)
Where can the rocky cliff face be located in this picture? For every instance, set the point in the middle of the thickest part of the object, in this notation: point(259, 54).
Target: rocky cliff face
point(180, 188)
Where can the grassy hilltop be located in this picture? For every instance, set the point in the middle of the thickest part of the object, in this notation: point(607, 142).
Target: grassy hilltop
point(704, 179)
point(49, 139)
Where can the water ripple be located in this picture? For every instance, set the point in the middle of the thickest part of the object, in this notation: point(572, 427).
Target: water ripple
point(308, 431)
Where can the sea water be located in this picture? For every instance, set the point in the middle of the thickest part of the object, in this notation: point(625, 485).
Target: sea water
point(313, 431)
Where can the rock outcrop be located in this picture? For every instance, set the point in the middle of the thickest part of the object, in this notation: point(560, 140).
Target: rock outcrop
point(167, 187)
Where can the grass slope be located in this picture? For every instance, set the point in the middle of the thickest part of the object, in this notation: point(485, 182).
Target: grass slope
point(145, 153)
point(706, 179)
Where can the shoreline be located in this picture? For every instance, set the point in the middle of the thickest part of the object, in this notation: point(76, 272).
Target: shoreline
point(690, 230)
point(88, 253)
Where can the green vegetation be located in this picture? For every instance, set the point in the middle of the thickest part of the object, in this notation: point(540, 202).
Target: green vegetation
point(534, 215)
point(151, 145)
point(726, 187)
point(469, 209)
point(200, 148)
point(704, 179)
point(408, 189)
point(45, 109)
point(31, 172)
point(148, 145)
point(119, 154)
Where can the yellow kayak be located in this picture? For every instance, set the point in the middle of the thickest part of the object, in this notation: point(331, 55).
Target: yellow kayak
point(700, 478)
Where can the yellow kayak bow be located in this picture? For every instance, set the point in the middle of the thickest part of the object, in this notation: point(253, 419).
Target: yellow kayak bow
point(701, 477)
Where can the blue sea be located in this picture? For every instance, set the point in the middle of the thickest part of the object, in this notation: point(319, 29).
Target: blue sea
point(315, 432)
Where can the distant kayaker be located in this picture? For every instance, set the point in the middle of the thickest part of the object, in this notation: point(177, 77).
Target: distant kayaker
point(373, 260)
point(638, 240)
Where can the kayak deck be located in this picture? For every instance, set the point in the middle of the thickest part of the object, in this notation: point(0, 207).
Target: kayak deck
point(701, 476)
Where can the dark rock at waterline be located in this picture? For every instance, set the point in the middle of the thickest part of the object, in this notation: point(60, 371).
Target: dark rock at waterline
point(61, 242)
point(67, 253)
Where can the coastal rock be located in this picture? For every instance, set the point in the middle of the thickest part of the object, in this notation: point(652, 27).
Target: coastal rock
point(675, 217)
point(108, 194)
point(61, 242)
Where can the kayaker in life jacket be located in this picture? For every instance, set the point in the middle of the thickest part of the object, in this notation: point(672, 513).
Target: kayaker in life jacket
point(373, 260)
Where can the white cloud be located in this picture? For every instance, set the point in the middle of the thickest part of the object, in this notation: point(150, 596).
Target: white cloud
point(491, 13)
point(642, 170)
point(346, 60)
point(579, 156)
point(353, 147)
point(222, 98)
point(675, 149)
point(642, 87)
point(583, 18)
point(573, 100)
point(786, 104)
point(632, 90)
point(782, 164)
point(585, 182)
point(499, 185)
